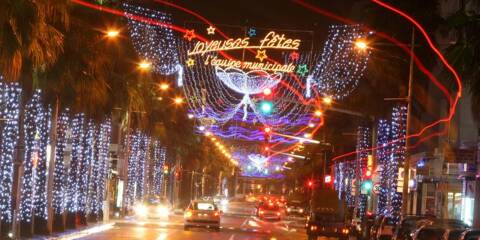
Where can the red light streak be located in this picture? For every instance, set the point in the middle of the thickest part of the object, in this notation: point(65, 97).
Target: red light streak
point(417, 62)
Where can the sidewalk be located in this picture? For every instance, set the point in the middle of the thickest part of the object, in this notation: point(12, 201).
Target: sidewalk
point(79, 233)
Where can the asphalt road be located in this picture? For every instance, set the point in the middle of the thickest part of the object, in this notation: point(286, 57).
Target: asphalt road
point(237, 222)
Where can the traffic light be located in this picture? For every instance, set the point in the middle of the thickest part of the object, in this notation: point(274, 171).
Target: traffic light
point(368, 174)
point(367, 186)
point(310, 183)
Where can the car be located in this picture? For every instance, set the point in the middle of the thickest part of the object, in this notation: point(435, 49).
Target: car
point(430, 233)
point(269, 211)
point(295, 208)
point(409, 224)
point(453, 234)
point(450, 223)
point(472, 234)
point(202, 214)
point(153, 208)
point(385, 229)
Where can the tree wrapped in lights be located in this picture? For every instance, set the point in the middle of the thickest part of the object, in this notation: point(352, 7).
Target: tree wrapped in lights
point(84, 169)
point(397, 158)
point(59, 173)
point(382, 156)
point(363, 143)
point(341, 64)
point(93, 157)
point(158, 160)
point(33, 197)
point(98, 170)
point(104, 164)
point(137, 158)
point(74, 171)
point(10, 94)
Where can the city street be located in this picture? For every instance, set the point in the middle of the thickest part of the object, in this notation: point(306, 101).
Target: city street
point(236, 223)
point(240, 119)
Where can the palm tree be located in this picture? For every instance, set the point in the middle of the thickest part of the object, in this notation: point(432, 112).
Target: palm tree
point(464, 54)
point(29, 35)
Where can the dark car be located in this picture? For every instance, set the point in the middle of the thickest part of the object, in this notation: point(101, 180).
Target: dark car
point(470, 235)
point(409, 224)
point(454, 234)
point(451, 223)
point(430, 233)
point(386, 229)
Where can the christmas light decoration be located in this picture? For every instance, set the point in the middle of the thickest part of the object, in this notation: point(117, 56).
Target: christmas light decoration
point(154, 43)
point(382, 156)
point(73, 194)
point(159, 154)
point(33, 197)
point(341, 64)
point(397, 158)
point(9, 101)
point(258, 165)
point(137, 160)
point(363, 143)
point(60, 174)
point(103, 165)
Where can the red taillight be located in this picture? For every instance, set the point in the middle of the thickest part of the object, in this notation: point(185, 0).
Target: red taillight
point(278, 213)
point(216, 214)
point(261, 212)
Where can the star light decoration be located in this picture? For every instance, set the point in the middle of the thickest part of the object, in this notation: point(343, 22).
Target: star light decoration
point(189, 35)
point(210, 30)
point(261, 55)
point(252, 32)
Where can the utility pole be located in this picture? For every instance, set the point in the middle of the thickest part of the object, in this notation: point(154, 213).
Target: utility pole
point(406, 165)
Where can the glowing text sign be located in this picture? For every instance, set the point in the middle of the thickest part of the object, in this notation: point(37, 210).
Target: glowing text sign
point(272, 40)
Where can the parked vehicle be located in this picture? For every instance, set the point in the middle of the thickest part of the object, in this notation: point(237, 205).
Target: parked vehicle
point(430, 233)
point(327, 216)
point(453, 234)
point(202, 214)
point(374, 228)
point(470, 235)
point(386, 229)
point(409, 224)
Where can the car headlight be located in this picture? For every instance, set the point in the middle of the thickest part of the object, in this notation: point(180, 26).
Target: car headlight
point(289, 210)
point(163, 211)
point(141, 210)
point(300, 210)
point(224, 202)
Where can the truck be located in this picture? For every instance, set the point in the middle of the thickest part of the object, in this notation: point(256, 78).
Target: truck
point(327, 216)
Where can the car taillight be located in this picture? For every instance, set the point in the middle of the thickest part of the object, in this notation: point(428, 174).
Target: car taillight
point(278, 213)
point(261, 212)
point(215, 214)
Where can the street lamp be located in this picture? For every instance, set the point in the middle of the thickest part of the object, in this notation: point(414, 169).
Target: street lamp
point(112, 33)
point(145, 65)
point(327, 100)
point(164, 86)
point(318, 113)
point(361, 44)
point(178, 100)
